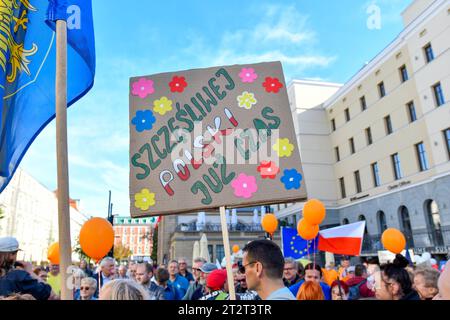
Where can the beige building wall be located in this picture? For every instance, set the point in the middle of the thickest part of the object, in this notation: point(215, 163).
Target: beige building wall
point(426, 22)
point(31, 215)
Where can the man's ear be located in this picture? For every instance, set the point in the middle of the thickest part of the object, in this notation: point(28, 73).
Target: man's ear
point(259, 269)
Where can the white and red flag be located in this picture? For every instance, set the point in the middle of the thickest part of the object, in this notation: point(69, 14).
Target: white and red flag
point(346, 239)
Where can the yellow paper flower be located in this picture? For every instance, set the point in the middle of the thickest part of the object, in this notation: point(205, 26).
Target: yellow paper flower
point(246, 100)
point(162, 105)
point(283, 147)
point(144, 199)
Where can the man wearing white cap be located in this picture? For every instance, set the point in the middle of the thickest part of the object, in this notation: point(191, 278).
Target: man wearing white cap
point(16, 280)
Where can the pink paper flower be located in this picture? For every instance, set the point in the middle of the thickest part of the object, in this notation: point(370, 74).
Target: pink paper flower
point(244, 186)
point(142, 88)
point(248, 75)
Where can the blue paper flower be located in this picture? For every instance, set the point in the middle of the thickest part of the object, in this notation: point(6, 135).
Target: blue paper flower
point(291, 179)
point(143, 120)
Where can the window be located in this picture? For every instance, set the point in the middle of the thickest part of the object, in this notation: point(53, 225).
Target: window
point(403, 73)
point(411, 111)
point(388, 125)
point(220, 252)
point(381, 89)
point(376, 174)
point(336, 150)
point(422, 157)
point(396, 165)
point(382, 224)
point(363, 103)
point(369, 136)
point(447, 139)
point(333, 125)
point(429, 55)
point(438, 94)
point(357, 181)
point(351, 142)
point(347, 115)
point(210, 251)
point(342, 184)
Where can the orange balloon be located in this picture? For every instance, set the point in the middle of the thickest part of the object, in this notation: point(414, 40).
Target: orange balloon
point(393, 240)
point(96, 238)
point(307, 231)
point(235, 248)
point(314, 212)
point(53, 253)
point(269, 223)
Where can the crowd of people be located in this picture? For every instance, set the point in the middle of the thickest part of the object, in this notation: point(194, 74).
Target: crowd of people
point(262, 274)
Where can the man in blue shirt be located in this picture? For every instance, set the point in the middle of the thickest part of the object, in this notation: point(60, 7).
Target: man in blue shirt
point(313, 272)
point(179, 283)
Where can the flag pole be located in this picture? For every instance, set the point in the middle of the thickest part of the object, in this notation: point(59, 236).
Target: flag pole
point(65, 248)
point(226, 245)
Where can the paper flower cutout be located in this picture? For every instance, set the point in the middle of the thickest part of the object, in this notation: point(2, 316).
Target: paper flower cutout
point(162, 105)
point(142, 88)
point(272, 85)
point(246, 100)
point(144, 199)
point(177, 84)
point(244, 186)
point(248, 75)
point(143, 120)
point(291, 179)
point(283, 147)
point(268, 169)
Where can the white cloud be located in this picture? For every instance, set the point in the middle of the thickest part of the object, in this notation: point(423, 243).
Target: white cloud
point(282, 35)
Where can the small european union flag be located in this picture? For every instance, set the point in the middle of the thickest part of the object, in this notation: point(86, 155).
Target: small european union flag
point(295, 246)
point(27, 69)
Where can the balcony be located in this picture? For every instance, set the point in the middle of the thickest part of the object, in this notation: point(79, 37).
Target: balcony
point(217, 227)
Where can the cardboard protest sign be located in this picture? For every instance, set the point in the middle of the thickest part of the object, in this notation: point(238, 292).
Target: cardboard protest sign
point(205, 138)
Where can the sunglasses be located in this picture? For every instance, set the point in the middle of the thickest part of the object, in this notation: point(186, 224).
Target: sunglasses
point(242, 268)
point(85, 288)
point(196, 270)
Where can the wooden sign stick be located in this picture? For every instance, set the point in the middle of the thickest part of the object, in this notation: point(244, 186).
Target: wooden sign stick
point(226, 245)
point(65, 247)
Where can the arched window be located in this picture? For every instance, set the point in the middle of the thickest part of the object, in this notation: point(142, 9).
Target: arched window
point(363, 218)
point(345, 221)
point(405, 225)
point(433, 219)
point(382, 225)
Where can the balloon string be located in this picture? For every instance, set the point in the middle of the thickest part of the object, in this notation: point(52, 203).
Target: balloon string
point(314, 253)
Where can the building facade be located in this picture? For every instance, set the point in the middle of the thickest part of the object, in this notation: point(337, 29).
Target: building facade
point(135, 234)
point(178, 233)
point(378, 149)
point(30, 213)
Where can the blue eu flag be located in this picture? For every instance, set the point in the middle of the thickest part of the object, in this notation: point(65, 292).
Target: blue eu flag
point(295, 246)
point(27, 69)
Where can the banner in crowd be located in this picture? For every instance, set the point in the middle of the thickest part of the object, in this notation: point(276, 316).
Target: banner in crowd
point(205, 138)
point(294, 246)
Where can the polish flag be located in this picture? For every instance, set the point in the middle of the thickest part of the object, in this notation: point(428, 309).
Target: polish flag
point(346, 239)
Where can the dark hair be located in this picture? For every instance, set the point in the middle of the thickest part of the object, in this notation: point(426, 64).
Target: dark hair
point(395, 271)
point(162, 275)
point(360, 269)
point(300, 270)
point(373, 260)
point(314, 266)
point(268, 254)
point(343, 287)
point(400, 261)
point(148, 267)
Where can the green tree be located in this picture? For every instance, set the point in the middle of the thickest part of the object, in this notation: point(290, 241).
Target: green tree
point(121, 252)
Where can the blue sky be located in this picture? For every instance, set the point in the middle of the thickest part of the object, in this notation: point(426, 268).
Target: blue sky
point(324, 40)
